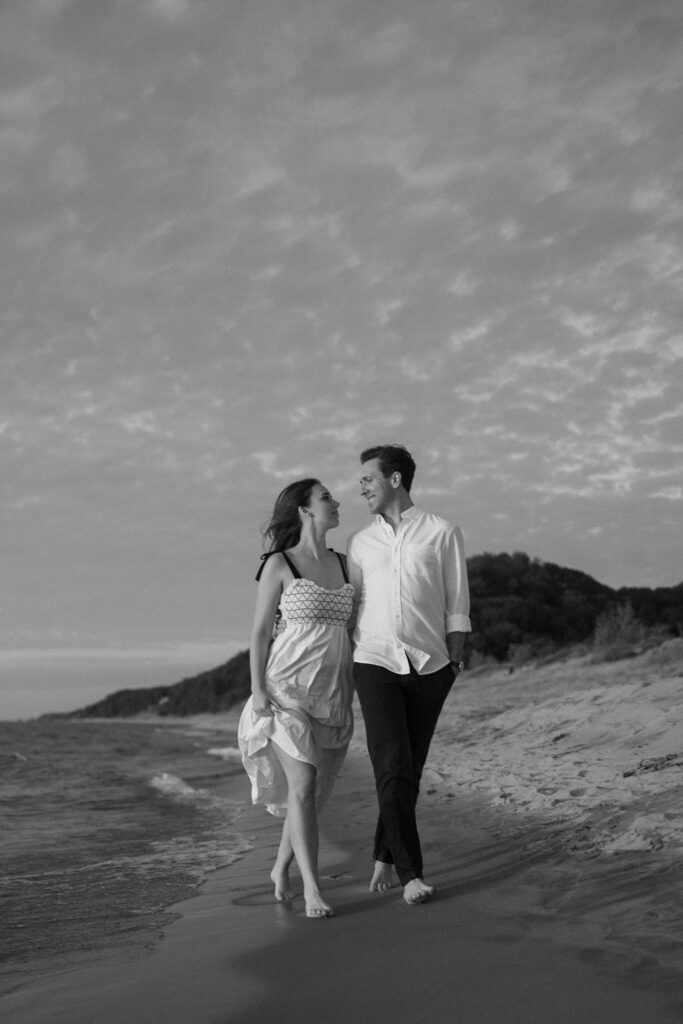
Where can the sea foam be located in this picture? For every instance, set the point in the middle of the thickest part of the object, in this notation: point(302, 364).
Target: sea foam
point(233, 754)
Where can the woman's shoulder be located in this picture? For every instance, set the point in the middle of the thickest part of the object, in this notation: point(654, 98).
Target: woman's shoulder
point(274, 566)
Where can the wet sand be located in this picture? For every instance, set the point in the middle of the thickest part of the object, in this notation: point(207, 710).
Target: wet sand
point(533, 921)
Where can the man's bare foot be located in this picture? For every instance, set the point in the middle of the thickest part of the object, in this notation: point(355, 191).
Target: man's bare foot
point(382, 877)
point(417, 891)
point(283, 890)
point(316, 905)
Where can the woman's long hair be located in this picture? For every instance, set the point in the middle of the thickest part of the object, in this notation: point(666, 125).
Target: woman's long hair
point(284, 528)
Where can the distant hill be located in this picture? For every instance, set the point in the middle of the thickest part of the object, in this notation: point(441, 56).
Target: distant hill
point(521, 608)
point(219, 689)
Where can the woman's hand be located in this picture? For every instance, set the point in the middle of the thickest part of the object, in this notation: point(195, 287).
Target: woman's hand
point(261, 704)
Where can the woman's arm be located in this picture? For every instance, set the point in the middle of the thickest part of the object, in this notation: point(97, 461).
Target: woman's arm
point(267, 601)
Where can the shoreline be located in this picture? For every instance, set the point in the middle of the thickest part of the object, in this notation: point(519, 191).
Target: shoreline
point(533, 921)
point(483, 949)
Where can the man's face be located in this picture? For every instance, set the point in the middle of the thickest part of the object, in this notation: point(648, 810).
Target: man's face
point(376, 488)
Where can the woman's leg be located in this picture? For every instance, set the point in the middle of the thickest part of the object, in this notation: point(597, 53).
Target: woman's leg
point(280, 873)
point(302, 828)
point(331, 761)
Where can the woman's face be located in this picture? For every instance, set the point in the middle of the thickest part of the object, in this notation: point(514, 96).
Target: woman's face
point(323, 507)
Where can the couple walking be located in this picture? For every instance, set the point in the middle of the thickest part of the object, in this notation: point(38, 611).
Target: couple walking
point(401, 592)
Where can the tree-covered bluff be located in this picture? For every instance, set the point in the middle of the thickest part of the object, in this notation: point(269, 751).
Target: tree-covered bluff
point(524, 607)
point(521, 609)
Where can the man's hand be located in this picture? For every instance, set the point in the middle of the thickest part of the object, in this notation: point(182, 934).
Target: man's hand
point(455, 642)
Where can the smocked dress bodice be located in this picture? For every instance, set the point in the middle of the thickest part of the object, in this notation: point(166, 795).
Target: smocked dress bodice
point(305, 602)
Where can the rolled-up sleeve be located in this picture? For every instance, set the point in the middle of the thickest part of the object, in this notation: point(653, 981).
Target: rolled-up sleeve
point(456, 584)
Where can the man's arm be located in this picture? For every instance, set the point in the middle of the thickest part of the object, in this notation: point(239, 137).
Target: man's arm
point(457, 595)
point(456, 645)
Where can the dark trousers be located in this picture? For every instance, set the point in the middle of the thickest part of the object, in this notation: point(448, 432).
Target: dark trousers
point(400, 712)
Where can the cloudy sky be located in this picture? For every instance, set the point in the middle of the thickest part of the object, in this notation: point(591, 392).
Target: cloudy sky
point(243, 239)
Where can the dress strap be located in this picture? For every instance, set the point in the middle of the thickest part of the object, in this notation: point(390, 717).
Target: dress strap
point(343, 567)
point(295, 572)
point(264, 558)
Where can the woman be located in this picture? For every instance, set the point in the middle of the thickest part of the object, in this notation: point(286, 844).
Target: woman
point(296, 726)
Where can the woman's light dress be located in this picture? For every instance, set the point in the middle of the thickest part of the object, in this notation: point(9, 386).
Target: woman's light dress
point(310, 685)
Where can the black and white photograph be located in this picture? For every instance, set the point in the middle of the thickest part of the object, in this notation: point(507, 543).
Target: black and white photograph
point(341, 424)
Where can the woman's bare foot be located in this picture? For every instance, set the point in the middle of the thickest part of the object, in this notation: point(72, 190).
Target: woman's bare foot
point(283, 890)
point(417, 891)
point(382, 877)
point(316, 905)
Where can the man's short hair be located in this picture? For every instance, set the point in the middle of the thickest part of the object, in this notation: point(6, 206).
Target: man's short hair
point(392, 458)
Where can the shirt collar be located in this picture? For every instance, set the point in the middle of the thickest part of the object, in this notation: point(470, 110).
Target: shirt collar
point(410, 513)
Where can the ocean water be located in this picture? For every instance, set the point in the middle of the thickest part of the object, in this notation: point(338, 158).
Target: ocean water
point(104, 825)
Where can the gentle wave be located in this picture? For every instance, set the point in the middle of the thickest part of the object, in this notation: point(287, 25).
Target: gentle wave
point(195, 857)
point(111, 824)
point(232, 754)
point(174, 787)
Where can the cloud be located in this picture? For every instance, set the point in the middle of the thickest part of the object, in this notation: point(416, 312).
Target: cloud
point(171, 10)
point(670, 493)
point(241, 245)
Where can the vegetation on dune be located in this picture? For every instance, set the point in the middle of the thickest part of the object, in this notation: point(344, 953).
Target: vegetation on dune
point(523, 608)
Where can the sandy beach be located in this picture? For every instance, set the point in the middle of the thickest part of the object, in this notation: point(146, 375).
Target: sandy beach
point(552, 828)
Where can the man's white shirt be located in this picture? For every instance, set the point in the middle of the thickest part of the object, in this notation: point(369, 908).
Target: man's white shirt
point(412, 589)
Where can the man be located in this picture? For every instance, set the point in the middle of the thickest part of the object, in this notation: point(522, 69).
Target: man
point(408, 567)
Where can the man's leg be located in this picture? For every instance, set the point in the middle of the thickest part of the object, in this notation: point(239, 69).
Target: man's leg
point(424, 700)
point(382, 698)
point(424, 703)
